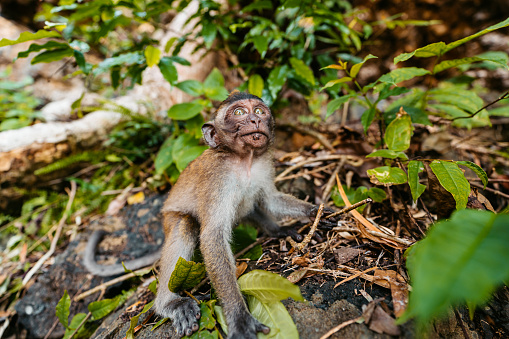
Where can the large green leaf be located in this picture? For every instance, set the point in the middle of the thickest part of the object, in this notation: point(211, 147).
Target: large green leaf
point(261, 43)
point(214, 79)
point(399, 133)
point(62, 309)
point(168, 70)
point(414, 168)
point(36, 48)
point(275, 316)
point(268, 287)
point(192, 87)
point(367, 118)
point(276, 80)
point(185, 111)
point(75, 322)
point(303, 70)
point(186, 274)
point(27, 36)
point(464, 258)
point(335, 82)
point(453, 180)
point(477, 170)
point(164, 157)
point(255, 85)
point(387, 176)
point(456, 96)
point(102, 308)
point(402, 74)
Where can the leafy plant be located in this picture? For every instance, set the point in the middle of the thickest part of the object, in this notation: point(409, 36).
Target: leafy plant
point(18, 107)
point(463, 259)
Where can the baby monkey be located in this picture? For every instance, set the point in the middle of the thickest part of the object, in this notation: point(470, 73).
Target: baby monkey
point(232, 182)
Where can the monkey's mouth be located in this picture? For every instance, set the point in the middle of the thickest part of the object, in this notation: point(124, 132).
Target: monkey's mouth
point(255, 137)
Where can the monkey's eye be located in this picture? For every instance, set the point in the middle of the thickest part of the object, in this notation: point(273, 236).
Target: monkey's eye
point(259, 111)
point(239, 111)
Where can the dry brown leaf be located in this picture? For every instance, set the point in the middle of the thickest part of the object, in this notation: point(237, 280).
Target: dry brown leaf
point(296, 276)
point(381, 322)
point(136, 198)
point(399, 289)
point(241, 268)
point(345, 254)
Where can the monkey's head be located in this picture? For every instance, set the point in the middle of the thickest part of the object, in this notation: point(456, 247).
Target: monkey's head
point(242, 124)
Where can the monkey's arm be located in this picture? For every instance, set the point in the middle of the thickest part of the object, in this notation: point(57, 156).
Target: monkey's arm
point(110, 270)
point(282, 205)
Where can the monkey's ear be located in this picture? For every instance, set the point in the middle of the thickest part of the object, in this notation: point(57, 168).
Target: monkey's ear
point(209, 134)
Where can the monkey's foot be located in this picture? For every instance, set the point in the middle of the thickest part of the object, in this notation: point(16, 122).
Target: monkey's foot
point(184, 313)
point(246, 327)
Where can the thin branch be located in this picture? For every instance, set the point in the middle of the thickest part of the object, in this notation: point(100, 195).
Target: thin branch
point(300, 246)
point(340, 326)
point(53, 246)
point(502, 97)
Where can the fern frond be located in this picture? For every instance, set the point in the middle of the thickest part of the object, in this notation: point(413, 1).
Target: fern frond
point(88, 156)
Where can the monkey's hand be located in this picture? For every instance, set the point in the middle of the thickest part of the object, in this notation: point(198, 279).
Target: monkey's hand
point(246, 327)
point(284, 232)
point(331, 222)
point(184, 313)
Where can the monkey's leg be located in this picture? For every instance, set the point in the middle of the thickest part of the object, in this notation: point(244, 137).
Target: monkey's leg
point(264, 222)
point(181, 238)
point(220, 264)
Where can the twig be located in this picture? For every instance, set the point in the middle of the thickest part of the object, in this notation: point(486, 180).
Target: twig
point(340, 326)
point(53, 246)
point(308, 161)
point(376, 234)
point(349, 208)
point(503, 96)
point(330, 183)
point(301, 174)
point(355, 276)
point(300, 246)
point(318, 136)
point(462, 324)
point(494, 191)
point(103, 286)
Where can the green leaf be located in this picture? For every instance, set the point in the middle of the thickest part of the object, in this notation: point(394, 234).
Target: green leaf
point(402, 74)
point(492, 28)
point(255, 85)
point(189, 155)
point(453, 180)
point(463, 61)
point(335, 82)
point(192, 87)
point(221, 319)
point(387, 176)
point(478, 170)
point(207, 320)
point(102, 308)
point(168, 70)
point(303, 70)
point(399, 132)
point(414, 168)
point(275, 316)
point(185, 111)
point(268, 287)
point(62, 309)
point(152, 55)
point(27, 36)
point(276, 80)
point(431, 50)
point(52, 55)
point(36, 48)
point(367, 118)
point(75, 322)
point(261, 43)
point(456, 96)
point(186, 274)
point(377, 194)
point(214, 79)
point(389, 154)
point(335, 104)
point(208, 32)
point(357, 67)
point(387, 91)
point(464, 258)
point(121, 60)
point(134, 320)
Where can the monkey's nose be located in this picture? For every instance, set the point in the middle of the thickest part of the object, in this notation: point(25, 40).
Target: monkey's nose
point(255, 119)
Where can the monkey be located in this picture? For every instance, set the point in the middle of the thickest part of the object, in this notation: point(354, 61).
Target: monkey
point(229, 183)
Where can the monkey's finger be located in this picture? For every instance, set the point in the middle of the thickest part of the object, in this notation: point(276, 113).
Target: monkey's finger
point(262, 328)
point(295, 236)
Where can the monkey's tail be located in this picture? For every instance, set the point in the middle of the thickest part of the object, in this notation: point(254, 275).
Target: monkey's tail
point(110, 270)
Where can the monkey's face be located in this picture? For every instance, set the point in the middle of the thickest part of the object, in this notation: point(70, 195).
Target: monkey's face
point(242, 126)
